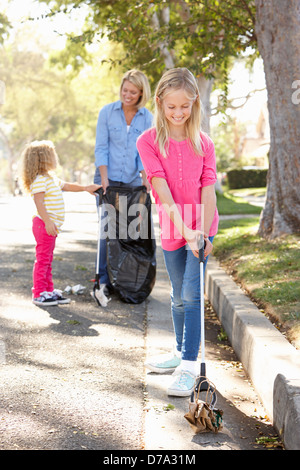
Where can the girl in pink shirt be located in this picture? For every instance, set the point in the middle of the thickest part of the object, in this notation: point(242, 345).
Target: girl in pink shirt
point(180, 164)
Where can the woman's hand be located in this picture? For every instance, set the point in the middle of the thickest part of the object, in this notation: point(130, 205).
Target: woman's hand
point(104, 177)
point(145, 181)
point(104, 185)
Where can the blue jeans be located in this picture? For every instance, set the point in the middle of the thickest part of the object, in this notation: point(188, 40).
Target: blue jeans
point(102, 268)
point(184, 272)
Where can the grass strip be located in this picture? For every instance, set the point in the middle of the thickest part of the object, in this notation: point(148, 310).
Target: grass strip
point(268, 270)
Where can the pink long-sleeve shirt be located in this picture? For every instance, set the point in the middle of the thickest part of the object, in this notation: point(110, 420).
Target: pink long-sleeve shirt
point(185, 173)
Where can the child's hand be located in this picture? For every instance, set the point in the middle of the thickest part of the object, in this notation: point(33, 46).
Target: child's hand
point(51, 228)
point(91, 188)
point(192, 238)
point(208, 247)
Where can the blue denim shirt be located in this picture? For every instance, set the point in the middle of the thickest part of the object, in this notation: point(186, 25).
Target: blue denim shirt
point(116, 147)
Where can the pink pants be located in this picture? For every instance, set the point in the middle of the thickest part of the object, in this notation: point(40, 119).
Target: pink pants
point(42, 269)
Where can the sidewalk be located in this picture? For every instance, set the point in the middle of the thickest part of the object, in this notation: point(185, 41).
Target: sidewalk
point(72, 376)
point(165, 426)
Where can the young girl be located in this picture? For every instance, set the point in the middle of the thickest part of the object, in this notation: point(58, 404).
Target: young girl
point(39, 159)
point(180, 164)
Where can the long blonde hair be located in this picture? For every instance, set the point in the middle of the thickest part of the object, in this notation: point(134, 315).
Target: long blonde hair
point(177, 79)
point(38, 158)
point(139, 80)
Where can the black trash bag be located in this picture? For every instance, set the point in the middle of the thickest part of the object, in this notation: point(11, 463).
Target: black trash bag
point(131, 247)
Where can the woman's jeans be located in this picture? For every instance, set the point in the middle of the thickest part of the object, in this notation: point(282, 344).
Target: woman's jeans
point(184, 272)
point(42, 269)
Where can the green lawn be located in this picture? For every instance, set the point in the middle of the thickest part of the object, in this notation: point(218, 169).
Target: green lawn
point(267, 269)
point(229, 203)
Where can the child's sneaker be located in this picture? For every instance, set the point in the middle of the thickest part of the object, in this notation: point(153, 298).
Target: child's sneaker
point(57, 295)
point(45, 299)
point(183, 385)
point(164, 366)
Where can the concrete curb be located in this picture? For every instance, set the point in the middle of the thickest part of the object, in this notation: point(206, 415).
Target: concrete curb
point(271, 362)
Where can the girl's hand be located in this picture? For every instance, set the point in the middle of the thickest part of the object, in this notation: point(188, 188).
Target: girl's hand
point(91, 188)
point(192, 237)
point(51, 228)
point(208, 247)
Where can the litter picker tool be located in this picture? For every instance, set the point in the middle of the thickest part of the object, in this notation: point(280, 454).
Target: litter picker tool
point(202, 414)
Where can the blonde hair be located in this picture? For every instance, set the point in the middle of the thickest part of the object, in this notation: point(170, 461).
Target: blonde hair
point(178, 79)
point(140, 80)
point(38, 158)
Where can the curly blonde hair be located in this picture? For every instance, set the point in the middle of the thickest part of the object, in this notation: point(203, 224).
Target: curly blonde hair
point(38, 158)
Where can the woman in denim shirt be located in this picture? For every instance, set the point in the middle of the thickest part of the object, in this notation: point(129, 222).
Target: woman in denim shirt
point(116, 157)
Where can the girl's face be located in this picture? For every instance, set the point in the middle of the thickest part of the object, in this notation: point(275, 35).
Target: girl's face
point(130, 94)
point(177, 107)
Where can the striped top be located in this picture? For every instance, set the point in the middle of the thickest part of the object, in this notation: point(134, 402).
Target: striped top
point(53, 199)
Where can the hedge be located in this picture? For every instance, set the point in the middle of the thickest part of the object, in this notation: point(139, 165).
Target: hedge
point(247, 178)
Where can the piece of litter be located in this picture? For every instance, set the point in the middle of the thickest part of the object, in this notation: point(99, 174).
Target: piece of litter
point(78, 289)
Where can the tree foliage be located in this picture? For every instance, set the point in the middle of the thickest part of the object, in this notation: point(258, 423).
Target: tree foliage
point(198, 34)
point(204, 35)
point(5, 27)
point(44, 102)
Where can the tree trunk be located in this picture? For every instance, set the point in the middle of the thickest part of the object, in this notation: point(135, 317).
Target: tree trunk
point(205, 87)
point(278, 35)
point(163, 44)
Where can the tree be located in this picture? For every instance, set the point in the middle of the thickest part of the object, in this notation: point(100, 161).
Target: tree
point(44, 102)
point(5, 27)
point(202, 35)
point(278, 33)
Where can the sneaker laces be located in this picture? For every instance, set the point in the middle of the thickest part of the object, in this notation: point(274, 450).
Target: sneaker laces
point(46, 295)
point(181, 380)
point(57, 292)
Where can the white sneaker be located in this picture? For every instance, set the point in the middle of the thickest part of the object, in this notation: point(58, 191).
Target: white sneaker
point(163, 366)
point(99, 296)
point(183, 385)
point(104, 289)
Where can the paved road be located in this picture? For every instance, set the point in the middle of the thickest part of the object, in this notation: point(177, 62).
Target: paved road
point(73, 376)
